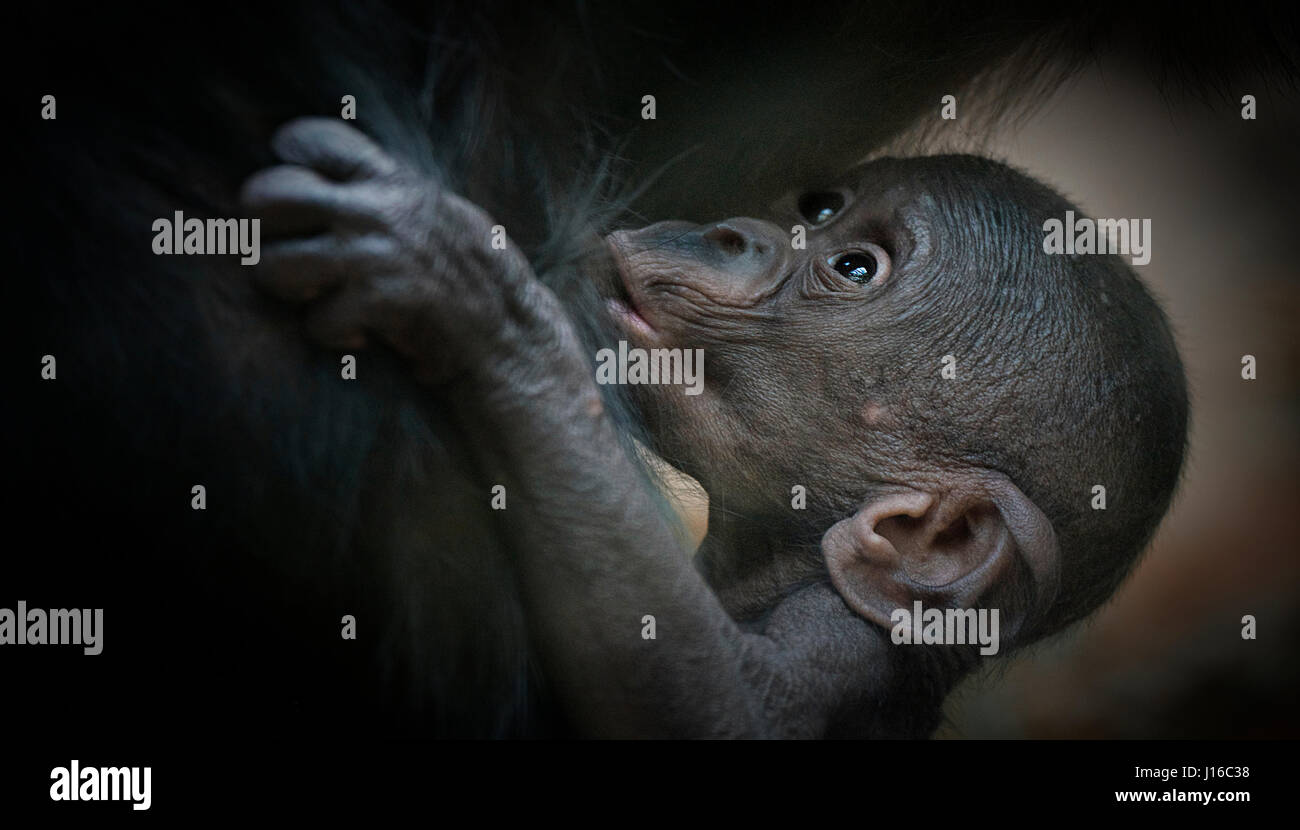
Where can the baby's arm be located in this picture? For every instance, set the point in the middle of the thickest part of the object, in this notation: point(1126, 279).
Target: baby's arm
point(414, 266)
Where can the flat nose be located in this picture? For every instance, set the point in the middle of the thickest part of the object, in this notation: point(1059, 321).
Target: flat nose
point(737, 237)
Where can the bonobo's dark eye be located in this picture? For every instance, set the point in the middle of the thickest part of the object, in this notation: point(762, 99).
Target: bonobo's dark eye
point(856, 265)
point(820, 205)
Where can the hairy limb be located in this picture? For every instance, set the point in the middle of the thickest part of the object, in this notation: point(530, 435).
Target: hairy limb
point(395, 258)
point(596, 554)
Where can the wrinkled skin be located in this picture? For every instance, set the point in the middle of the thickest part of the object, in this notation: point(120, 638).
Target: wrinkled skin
point(424, 254)
point(375, 251)
point(777, 326)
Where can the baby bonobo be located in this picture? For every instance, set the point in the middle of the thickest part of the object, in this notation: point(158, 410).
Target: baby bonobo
point(824, 366)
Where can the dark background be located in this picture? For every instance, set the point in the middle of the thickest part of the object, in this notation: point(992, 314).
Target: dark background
point(1164, 659)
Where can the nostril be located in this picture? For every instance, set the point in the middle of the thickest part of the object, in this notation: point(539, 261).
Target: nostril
point(727, 238)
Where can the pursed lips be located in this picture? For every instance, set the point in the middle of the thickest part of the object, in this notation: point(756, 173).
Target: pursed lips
point(624, 305)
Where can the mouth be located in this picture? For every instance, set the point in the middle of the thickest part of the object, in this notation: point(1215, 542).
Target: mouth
point(623, 304)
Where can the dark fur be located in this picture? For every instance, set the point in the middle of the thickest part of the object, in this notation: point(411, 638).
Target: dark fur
point(324, 497)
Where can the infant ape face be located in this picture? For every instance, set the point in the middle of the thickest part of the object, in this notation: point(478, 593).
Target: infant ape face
point(802, 313)
point(824, 367)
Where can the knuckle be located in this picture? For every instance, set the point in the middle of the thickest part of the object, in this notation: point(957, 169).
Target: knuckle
point(468, 216)
point(258, 188)
point(277, 183)
point(299, 133)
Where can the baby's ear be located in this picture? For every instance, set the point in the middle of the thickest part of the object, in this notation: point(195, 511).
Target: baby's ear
point(949, 548)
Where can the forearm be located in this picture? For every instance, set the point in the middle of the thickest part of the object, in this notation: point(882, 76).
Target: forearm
point(597, 553)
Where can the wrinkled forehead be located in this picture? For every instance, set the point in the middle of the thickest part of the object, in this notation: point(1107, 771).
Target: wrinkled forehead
point(892, 185)
point(966, 198)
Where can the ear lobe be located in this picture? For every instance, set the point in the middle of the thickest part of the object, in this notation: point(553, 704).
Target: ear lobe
point(949, 549)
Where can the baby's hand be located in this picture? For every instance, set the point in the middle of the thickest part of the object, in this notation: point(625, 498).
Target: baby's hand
point(376, 248)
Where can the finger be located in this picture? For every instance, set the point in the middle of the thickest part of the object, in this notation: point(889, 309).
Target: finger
point(289, 200)
point(348, 320)
point(297, 270)
point(331, 147)
point(292, 200)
